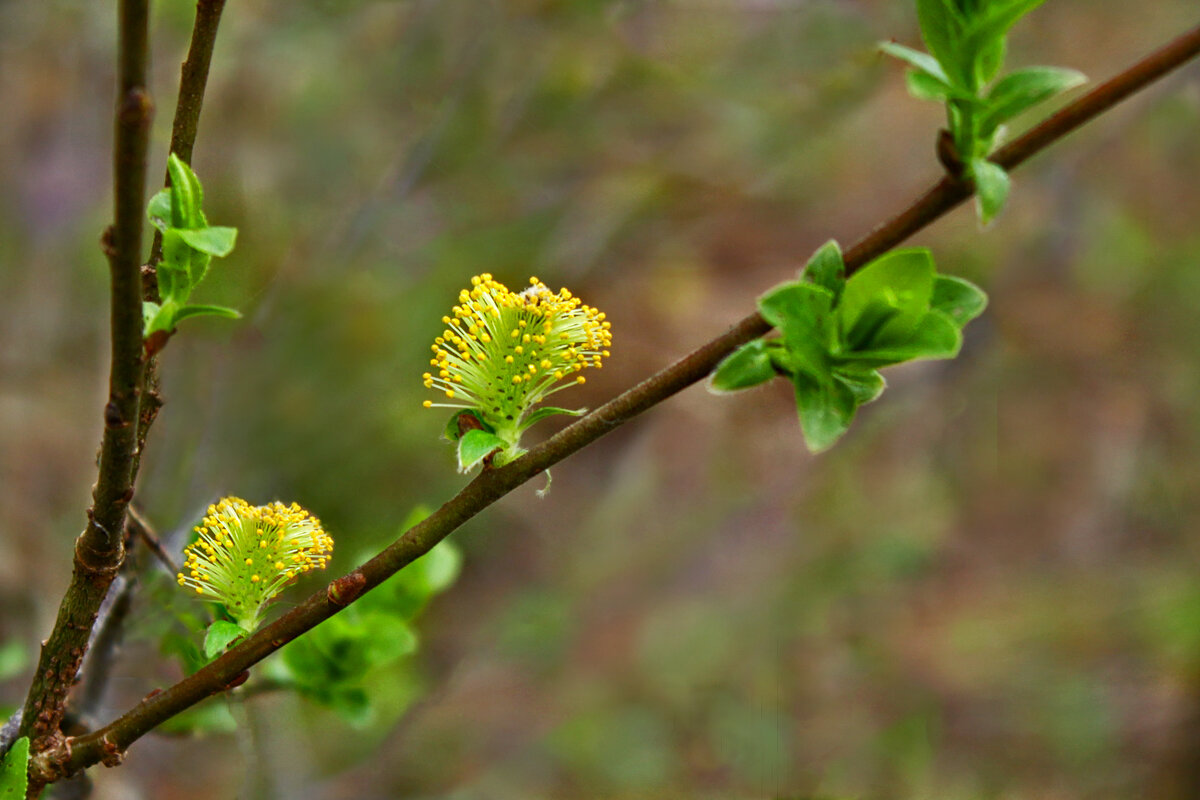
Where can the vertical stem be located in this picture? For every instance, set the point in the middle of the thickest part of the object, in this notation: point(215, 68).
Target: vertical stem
point(99, 550)
point(193, 78)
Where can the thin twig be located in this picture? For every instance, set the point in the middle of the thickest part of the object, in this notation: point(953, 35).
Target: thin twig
point(141, 528)
point(100, 548)
point(113, 739)
point(193, 80)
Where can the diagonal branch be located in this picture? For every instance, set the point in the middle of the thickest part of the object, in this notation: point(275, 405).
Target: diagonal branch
point(99, 550)
point(109, 742)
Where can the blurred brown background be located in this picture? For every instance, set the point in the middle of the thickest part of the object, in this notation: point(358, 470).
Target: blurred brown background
point(988, 590)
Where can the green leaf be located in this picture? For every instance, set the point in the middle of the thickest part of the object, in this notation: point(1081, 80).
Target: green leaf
point(957, 298)
point(353, 705)
point(865, 384)
point(826, 409)
point(205, 310)
point(13, 658)
point(475, 446)
point(452, 430)
point(926, 87)
point(989, 59)
point(407, 592)
point(923, 63)
point(1025, 88)
point(826, 268)
point(803, 313)
point(941, 28)
point(13, 770)
point(936, 336)
point(991, 188)
point(150, 311)
point(219, 635)
point(158, 211)
point(549, 411)
point(187, 197)
point(984, 29)
point(884, 301)
point(216, 241)
point(749, 365)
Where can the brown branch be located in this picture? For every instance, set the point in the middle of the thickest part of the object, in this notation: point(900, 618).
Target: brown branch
point(99, 550)
point(110, 742)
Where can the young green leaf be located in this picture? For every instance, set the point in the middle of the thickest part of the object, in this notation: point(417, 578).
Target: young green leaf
point(884, 301)
point(549, 411)
point(957, 298)
point(924, 86)
point(826, 409)
point(803, 313)
point(923, 63)
point(159, 210)
point(992, 23)
point(219, 635)
point(205, 310)
point(13, 770)
point(991, 188)
point(454, 430)
point(864, 384)
point(826, 268)
point(187, 197)
point(216, 241)
point(747, 366)
point(475, 446)
point(1024, 88)
point(941, 28)
point(936, 336)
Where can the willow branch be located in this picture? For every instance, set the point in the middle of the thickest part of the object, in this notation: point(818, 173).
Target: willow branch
point(193, 82)
point(99, 550)
point(110, 742)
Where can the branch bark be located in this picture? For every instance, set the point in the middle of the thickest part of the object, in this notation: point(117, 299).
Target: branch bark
point(109, 743)
point(99, 550)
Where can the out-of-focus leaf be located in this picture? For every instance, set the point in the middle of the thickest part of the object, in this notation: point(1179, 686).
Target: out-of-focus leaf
point(219, 635)
point(12, 770)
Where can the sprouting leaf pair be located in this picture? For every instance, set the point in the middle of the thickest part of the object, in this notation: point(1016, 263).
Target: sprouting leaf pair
point(836, 333)
point(189, 244)
point(967, 39)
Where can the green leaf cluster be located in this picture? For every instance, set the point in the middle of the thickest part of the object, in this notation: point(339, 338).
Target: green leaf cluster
point(836, 333)
point(967, 40)
point(189, 244)
point(476, 439)
point(331, 663)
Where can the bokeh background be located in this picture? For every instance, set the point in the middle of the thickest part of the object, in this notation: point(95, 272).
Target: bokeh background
point(988, 590)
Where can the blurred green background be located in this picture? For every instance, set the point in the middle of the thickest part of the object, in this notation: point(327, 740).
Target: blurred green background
point(988, 590)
